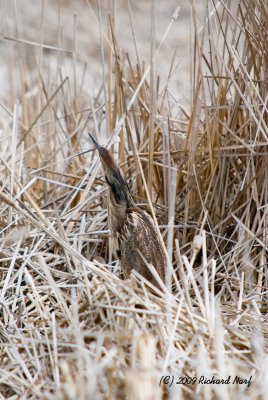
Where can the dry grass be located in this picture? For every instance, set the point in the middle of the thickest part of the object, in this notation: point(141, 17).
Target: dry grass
point(70, 327)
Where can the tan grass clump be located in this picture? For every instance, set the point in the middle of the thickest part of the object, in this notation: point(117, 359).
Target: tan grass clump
point(70, 327)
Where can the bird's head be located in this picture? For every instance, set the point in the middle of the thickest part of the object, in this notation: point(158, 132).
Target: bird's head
point(119, 191)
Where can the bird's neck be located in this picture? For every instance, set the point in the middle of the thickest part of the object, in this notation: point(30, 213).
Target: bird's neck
point(117, 213)
point(116, 219)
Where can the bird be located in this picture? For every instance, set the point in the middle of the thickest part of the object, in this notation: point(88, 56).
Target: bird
point(136, 239)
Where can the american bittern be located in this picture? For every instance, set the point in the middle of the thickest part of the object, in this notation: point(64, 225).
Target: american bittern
point(136, 238)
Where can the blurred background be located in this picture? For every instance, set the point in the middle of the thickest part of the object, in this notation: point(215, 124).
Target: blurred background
point(47, 35)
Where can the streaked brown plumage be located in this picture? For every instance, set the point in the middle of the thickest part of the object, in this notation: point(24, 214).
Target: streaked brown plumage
point(133, 229)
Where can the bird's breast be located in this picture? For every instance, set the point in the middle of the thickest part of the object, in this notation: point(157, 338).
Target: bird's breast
point(140, 245)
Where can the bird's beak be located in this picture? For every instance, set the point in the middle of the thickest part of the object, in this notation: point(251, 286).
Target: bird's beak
point(94, 141)
point(105, 156)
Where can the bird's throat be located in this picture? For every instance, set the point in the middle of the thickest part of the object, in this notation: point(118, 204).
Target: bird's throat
point(116, 217)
